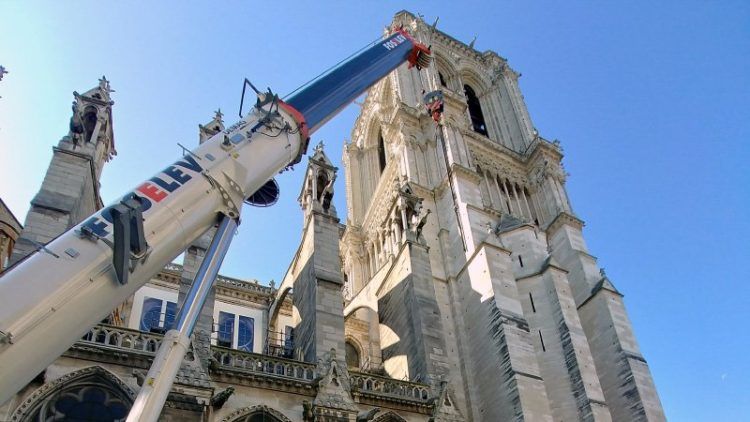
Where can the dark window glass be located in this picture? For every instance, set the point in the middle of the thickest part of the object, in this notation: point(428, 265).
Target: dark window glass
point(475, 111)
point(226, 329)
point(150, 314)
point(245, 334)
point(352, 356)
point(288, 341)
point(442, 80)
point(84, 403)
point(381, 152)
point(170, 315)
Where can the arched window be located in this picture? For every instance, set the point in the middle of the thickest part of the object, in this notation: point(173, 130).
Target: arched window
point(91, 394)
point(260, 416)
point(381, 151)
point(475, 111)
point(89, 122)
point(352, 356)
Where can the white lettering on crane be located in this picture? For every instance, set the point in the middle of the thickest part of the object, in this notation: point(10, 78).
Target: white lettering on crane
point(394, 42)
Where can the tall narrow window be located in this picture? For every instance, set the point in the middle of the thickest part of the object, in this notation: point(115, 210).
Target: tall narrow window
point(541, 339)
point(288, 341)
point(226, 329)
point(245, 334)
point(442, 80)
point(352, 356)
point(170, 315)
point(475, 111)
point(531, 298)
point(381, 152)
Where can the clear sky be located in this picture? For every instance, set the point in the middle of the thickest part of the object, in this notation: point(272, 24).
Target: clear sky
point(649, 99)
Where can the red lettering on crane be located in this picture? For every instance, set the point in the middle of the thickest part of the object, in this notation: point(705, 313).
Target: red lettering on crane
point(151, 191)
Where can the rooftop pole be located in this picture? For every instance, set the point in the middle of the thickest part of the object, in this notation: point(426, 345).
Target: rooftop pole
point(158, 383)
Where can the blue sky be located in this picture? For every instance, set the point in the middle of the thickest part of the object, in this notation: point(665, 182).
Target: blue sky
point(649, 99)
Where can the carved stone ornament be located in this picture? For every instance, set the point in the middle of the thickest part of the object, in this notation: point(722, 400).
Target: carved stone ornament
point(246, 413)
point(49, 389)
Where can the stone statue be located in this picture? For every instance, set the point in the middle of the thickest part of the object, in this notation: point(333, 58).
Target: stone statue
point(421, 223)
point(76, 125)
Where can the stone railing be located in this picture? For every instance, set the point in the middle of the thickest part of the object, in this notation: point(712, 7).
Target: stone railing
point(263, 364)
point(123, 338)
point(382, 386)
point(253, 286)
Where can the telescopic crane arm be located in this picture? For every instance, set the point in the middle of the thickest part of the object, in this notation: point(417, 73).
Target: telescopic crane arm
point(47, 302)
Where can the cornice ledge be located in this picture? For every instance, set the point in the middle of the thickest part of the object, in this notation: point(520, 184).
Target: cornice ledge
point(457, 168)
point(562, 219)
point(545, 148)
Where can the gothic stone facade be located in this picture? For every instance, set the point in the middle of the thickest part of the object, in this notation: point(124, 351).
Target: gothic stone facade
point(459, 289)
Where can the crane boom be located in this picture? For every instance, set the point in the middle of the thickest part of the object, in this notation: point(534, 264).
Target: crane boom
point(51, 299)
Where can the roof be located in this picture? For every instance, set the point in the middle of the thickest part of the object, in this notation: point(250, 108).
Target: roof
point(7, 217)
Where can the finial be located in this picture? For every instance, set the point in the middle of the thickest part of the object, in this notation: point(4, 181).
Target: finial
point(104, 85)
point(602, 272)
point(471, 44)
point(218, 115)
point(2, 72)
point(319, 147)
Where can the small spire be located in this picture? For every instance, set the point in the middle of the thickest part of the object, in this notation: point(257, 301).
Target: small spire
point(2, 72)
point(471, 44)
point(319, 147)
point(104, 85)
point(218, 115)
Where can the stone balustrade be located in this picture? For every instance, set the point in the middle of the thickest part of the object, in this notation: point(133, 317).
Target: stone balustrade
point(123, 338)
point(383, 386)
point(265, 364)
point(376, 387)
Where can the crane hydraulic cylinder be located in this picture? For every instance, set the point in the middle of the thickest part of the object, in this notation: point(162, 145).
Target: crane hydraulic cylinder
point(52, 298)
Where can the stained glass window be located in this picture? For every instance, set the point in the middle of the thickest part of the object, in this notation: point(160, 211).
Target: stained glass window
point(245, 333)
point(157, 314)
point(151, 314)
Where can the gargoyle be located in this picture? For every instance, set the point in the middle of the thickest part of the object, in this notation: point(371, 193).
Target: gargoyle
point(218, 400)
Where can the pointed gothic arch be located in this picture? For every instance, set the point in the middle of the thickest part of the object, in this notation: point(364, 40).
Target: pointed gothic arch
point(259, 413)
point(353, 353)
point(91, 391)
point(447, 72)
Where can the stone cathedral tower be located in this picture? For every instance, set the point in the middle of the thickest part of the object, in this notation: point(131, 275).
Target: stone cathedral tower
point(464, 263)
point(70, 190)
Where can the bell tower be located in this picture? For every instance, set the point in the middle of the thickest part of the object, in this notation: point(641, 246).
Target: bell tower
point(492, 291)
point(70, 190)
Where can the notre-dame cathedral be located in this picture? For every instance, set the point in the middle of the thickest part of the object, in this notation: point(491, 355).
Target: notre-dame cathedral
point(460, 287)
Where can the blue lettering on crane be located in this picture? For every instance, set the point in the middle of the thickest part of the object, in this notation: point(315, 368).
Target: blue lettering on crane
point(152, 191)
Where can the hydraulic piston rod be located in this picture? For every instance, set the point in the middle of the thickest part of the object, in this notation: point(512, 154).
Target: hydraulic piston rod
point(158, 382)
